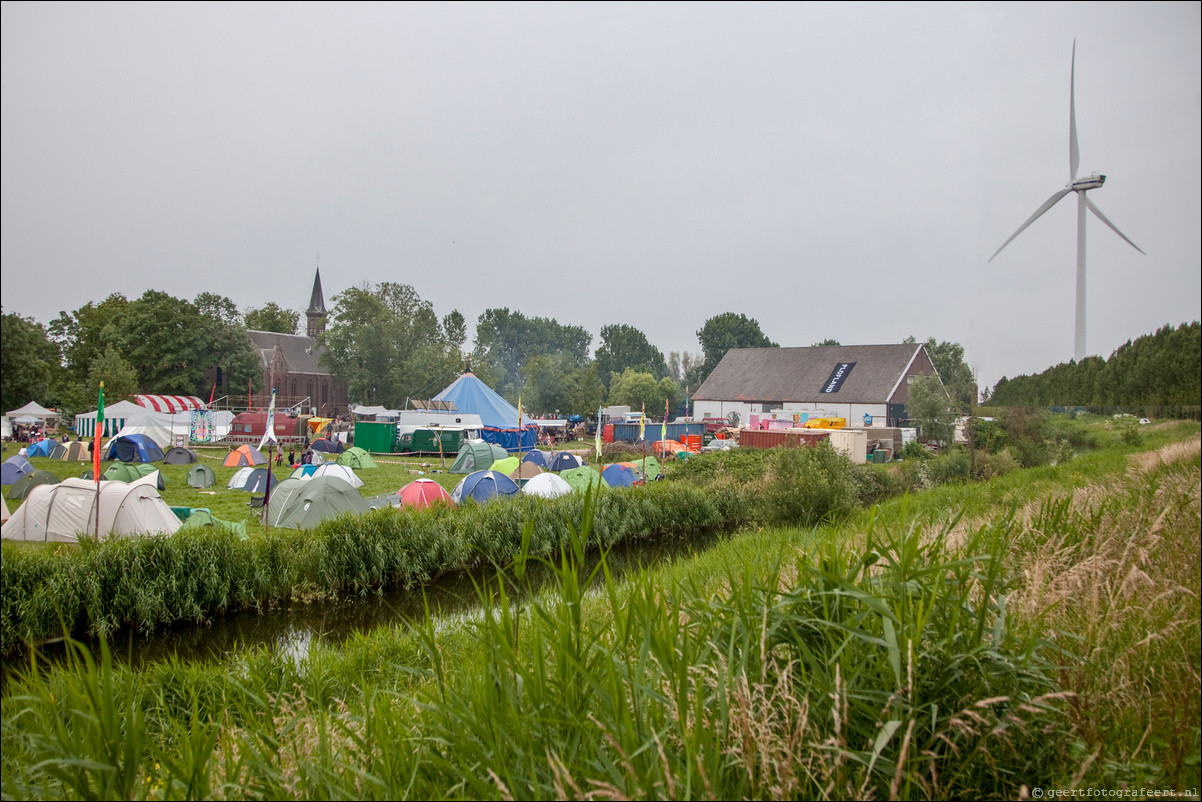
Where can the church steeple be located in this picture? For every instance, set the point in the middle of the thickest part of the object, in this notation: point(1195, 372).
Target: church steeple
point(315, 315)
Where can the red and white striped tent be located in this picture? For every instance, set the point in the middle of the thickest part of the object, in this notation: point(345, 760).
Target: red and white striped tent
point(170, 403)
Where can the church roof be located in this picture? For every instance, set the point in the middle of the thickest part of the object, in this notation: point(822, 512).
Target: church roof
point(300, 352)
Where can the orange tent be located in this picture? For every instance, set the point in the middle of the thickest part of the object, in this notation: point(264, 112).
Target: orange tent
point(244, 456)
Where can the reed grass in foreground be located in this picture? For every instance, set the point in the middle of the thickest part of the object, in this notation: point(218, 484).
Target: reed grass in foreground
point(909, 654)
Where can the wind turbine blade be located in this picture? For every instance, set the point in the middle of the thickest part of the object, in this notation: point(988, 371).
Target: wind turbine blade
point(1048, 204)
point(1102, 217)
point(1074, 153)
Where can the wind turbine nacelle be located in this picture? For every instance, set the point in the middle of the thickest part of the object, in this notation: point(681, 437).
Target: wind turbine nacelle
point(1092, 182)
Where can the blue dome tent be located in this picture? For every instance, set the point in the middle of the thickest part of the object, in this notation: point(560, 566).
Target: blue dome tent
point(133, 448)
point(483, 485)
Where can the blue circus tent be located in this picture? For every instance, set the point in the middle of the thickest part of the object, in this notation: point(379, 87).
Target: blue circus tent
point(500, 418)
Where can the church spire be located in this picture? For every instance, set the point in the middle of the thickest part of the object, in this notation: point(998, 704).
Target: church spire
point(315, 315)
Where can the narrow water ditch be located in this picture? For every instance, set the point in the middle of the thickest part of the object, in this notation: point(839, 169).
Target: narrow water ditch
point(297, 627)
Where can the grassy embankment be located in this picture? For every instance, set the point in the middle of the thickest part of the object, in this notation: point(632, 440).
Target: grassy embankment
point(1049, 636)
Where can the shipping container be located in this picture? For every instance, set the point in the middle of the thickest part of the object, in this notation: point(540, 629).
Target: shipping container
point(375, 437)
point(629, 432)
point(757, 438)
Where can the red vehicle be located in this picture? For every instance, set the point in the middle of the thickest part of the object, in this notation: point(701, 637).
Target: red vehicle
point(248, 426)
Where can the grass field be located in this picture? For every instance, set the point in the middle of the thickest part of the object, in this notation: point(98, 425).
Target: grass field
point(976, 640)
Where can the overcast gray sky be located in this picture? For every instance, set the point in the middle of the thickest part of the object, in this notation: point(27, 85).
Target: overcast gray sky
point(831, 170)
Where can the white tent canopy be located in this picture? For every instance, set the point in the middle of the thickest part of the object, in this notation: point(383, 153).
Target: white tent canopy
point(364, 412)
point(64, 511)
point(33, 409)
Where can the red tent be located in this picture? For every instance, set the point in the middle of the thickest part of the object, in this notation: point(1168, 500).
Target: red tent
point(423, 493)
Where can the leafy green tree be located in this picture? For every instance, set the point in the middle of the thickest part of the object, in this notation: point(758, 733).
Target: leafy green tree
point(948, 359)
point(169, 342)
point(623, 347)
point(80, 337)
point(680, 364)
point(722, 333)
point(119, 377)
point(550, 384)
point(929, 406)
point(636, 389)
point(1162, 368)
point(505, 341)
point(29, 362)
point(386, 344)
point(272, 317)
point(827, 341)
point(224, 343)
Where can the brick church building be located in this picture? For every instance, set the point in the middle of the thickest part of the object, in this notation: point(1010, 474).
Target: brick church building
point(292, 365)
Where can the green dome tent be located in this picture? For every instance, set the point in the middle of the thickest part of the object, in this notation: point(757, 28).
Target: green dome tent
point(307, 503)
point(201, 476)
point(580, 479)
point(477, 455)
point(202, 517)
point(357, 458)
point(29, 481)
point(131, 472)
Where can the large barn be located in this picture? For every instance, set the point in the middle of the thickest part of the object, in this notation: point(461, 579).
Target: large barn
point(865, 384)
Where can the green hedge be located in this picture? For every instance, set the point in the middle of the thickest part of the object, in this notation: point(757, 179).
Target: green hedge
point(99, 587)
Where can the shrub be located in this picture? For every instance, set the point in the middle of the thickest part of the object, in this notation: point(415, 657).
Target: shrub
point(988, 465)
point(809, 485)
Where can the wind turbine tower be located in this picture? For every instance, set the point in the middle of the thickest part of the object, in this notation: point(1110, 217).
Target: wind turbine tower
point(1080, 186)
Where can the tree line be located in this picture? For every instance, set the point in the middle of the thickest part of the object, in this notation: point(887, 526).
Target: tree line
point(383, 341)
point(1159, 369)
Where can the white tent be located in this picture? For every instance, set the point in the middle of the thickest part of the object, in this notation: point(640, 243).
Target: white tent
point(238, 480)
point(64, 511)
point(35, 410)
point(114, 419)
point(341, 471)
point(546, 485)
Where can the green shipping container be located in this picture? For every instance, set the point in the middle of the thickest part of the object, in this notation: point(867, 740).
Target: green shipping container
point(377, 438)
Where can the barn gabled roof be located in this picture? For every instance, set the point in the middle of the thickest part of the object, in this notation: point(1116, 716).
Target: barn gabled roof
point(800, 375)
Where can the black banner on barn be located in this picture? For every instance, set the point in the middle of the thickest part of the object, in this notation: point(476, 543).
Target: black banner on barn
point(838, 376)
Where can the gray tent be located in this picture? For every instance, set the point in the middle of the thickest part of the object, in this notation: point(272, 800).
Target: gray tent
point(477, 455)
point(179, 456)
point(201, 475)
point(303, 504)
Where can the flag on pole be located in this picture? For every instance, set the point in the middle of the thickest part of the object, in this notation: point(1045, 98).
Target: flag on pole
point(99, 431)
point(663, 427)
point(249, 405)
point(269, 435)
point(643, 422)
point(211, 394)
point(598, 433)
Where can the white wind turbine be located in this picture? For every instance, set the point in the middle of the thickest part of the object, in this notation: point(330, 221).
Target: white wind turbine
point(1080, 186)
